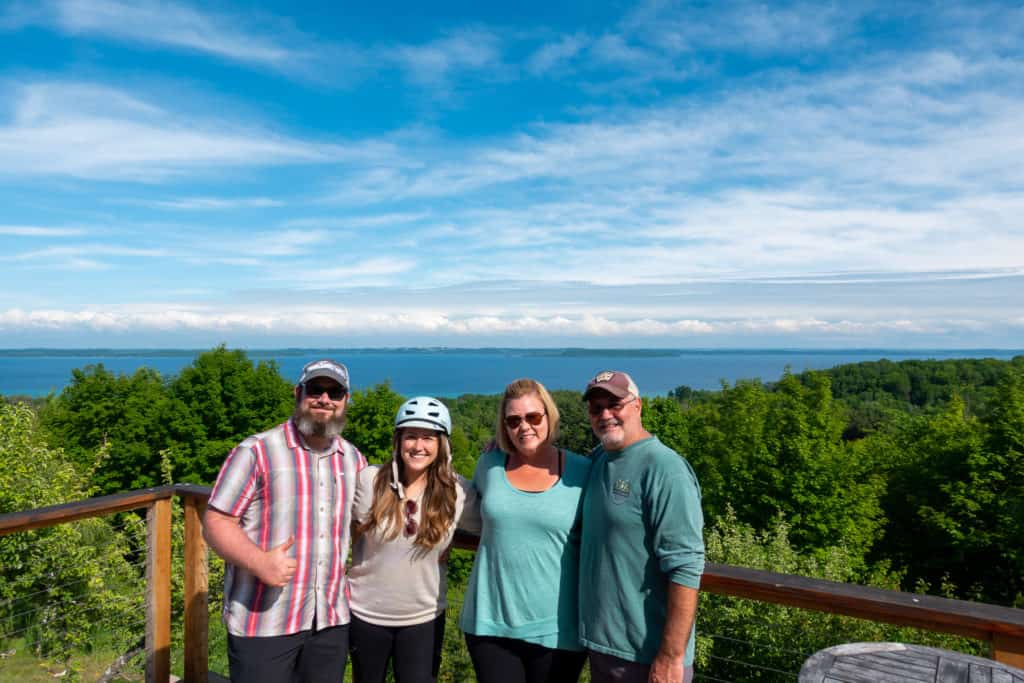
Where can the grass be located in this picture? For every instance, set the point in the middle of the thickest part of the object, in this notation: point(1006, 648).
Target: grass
point(22, 666)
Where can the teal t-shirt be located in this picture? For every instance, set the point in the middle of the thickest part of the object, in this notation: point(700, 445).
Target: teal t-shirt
point(525, 579)
point(642, 527)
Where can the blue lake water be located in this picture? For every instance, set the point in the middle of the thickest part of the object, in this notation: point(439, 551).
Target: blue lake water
point(453, 372)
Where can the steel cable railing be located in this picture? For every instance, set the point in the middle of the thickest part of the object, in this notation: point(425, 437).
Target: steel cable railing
point(752, 625)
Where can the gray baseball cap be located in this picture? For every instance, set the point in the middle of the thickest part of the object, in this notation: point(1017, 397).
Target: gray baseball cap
point(325, 368)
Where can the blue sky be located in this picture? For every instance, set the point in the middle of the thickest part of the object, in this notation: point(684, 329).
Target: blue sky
point(740, 174)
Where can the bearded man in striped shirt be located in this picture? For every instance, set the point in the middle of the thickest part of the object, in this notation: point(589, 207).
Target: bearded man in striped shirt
point(280, 516)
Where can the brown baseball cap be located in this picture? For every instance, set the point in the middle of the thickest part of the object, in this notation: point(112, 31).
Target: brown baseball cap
point(618, 384)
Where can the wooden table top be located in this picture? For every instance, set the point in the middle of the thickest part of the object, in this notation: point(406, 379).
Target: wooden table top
point(898, 663)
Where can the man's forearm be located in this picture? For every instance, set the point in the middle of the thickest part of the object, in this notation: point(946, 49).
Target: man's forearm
point(681, 611)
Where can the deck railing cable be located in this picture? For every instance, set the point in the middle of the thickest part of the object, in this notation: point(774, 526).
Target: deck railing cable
point(778, 608)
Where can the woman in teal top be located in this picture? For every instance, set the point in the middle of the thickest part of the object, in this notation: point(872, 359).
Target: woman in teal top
point(520, 615)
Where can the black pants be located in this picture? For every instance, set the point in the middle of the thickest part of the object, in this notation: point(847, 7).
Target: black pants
point(414, 651)
point(508, 660)
point(305, 657)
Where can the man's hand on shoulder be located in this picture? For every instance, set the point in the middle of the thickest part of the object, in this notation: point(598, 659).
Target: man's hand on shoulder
point(275, 568)
point(666, 669)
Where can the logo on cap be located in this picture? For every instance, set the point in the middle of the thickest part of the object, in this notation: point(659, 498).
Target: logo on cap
point(603, 376)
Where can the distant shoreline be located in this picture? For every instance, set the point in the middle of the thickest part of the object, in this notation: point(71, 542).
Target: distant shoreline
point(450, 371)
point(37, 352)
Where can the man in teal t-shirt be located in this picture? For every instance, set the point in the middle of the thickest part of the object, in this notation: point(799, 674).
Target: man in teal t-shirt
point(642, 550)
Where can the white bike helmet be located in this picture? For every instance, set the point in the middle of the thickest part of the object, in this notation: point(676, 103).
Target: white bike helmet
point(425, 412)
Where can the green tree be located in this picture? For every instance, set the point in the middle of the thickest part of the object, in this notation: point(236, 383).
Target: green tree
point(958, 498)
point(749, 640)
point(132, 417)
point(574, 429)
point(371, 421)
point(664, 418)
point(766, 452)
point(228, 399)
point(59, 583)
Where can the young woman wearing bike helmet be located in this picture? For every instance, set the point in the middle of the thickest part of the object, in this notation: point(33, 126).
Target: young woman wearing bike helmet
point(405, 515)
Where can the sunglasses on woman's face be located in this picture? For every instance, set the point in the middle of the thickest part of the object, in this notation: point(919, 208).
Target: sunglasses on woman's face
point(533, 419)
point(410, 523)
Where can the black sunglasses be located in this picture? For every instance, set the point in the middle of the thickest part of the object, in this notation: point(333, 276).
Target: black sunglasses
point(334, 391)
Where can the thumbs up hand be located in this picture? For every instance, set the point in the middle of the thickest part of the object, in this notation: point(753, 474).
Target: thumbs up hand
point(276, 568)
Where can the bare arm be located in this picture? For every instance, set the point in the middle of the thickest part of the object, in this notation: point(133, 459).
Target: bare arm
point(227, 539)
point(667, 666)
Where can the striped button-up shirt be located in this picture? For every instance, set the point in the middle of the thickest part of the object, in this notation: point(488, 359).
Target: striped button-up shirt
point(279, 488)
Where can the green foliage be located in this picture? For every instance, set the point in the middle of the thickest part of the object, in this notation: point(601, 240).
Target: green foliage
point(956, 496)
point(227, 399)
point(474, 415)
point(747, 640)
point(200, 416)
point(131, 416)
point(662, 416)
point(371, 421)
point(57, 584)
point(883, 473)
point(574, 429)
point(769, 452)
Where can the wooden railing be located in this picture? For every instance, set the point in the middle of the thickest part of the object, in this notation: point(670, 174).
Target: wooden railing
point(157, 503)
point(1001, 627)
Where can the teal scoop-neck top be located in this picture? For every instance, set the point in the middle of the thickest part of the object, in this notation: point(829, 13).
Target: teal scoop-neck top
point(524, 582)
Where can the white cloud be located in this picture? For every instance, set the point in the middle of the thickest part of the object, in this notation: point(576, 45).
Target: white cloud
point(553, 55)
point(210, 203)
point(309, 320)
point(369, 271)
point(173, 25)
point(71, 252)
point(38, 231)
point(741, 25)
point(433, 64)
point(95, 131)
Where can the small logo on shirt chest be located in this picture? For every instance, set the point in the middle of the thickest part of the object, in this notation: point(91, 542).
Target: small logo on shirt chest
point(620, 490)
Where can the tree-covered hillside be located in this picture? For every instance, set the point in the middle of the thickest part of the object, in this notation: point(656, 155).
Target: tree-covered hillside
point(905, 474)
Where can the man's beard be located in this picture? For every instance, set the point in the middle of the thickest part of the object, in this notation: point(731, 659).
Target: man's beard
point(310, 426)
point(612, 443)
point(613, 440)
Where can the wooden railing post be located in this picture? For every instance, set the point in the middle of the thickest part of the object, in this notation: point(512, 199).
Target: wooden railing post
point(158, 585)
point(1008, 650)
point(197, 612)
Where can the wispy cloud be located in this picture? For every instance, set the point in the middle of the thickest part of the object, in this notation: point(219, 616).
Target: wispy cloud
point(38, 231)
point(208, 203)
point(77, 251)
point(554, 55)
point(741, 25)
point(164, 24)
point(95, 131)
point(434, 63)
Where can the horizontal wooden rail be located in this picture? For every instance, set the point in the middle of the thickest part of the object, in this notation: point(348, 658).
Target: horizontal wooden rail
point(971, 619)
point(93, 507)
point(1002, 627)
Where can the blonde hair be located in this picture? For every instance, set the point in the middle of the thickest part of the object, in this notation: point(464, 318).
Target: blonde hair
point(518, 389)
point(437, 506)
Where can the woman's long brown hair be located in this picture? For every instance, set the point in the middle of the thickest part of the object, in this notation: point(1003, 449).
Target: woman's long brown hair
point(437, 505)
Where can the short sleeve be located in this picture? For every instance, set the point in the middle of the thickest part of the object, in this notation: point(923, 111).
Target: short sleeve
point(237, 482)
point(359, 460)
point(362, 501)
